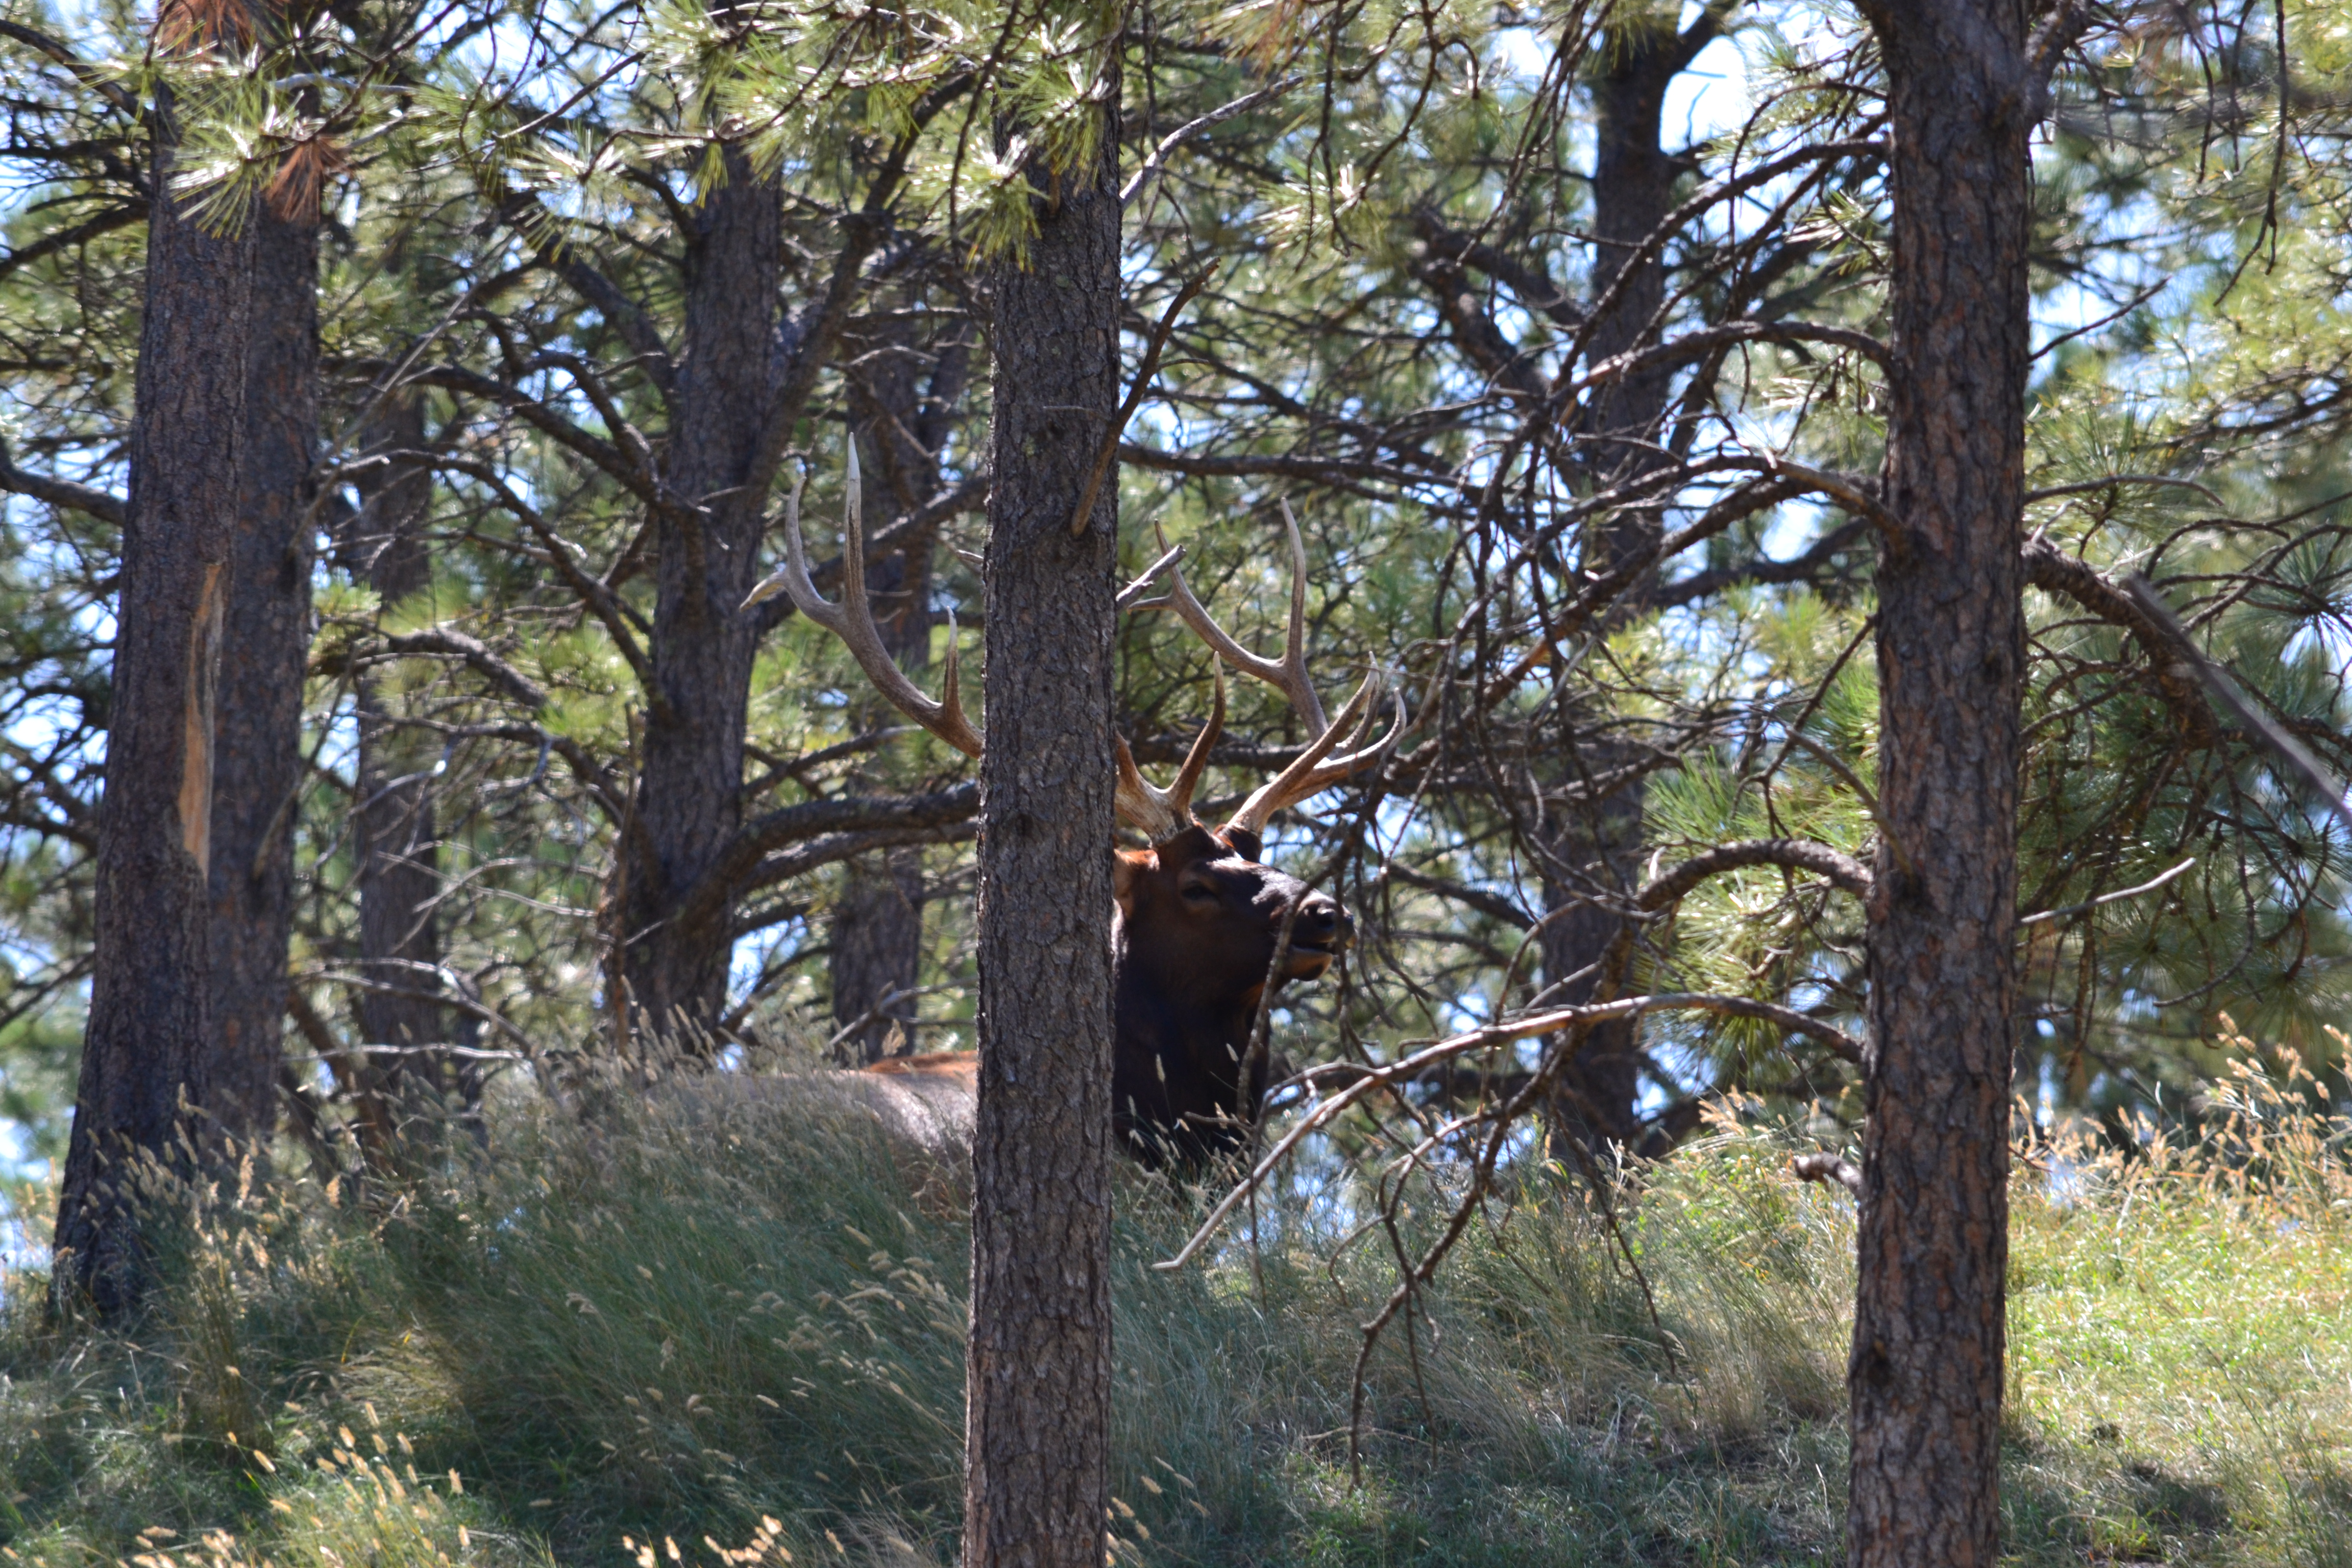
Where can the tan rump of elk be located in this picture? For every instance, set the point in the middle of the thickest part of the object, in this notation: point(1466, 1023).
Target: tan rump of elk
point(921, 1107)
point(1198, 917)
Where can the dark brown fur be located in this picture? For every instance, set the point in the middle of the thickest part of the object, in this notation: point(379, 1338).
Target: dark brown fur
point(1198, 920)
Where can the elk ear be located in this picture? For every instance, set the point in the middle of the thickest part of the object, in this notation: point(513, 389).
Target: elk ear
point(1128, 869)
point(1244, 843)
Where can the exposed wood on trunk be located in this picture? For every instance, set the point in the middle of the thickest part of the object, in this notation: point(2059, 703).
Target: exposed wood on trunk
point(147, 1051)
point(1925, 1372)
point(1038, 1425)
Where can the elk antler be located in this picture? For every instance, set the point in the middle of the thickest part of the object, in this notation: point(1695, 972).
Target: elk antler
point(1287, 675)
point(1160, 815)
point(851, 620)
point(1308, 774)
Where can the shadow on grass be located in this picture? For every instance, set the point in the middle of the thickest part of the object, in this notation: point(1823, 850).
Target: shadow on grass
point(701, 1335)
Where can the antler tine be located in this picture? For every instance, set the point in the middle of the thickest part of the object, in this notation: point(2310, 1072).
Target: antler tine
point(1160, 815)
point(851, 620)
point(1309, 773)
point(1196, 760)
point(1287, 675)
point(1293, 641)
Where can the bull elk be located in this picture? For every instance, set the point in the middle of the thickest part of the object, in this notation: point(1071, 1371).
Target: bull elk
point(1198, 917)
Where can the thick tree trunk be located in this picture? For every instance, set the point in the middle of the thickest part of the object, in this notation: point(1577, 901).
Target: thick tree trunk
point(1596, 860)
point(395, 830)
point(1038, 1422)
point(877, 948)
point(147, 1051)
point(1633, 192)
point(1598, 854)
point(690, 791)
point(265, 648)
point(1925, 1374)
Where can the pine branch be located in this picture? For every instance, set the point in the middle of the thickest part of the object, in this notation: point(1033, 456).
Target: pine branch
point(103, 505)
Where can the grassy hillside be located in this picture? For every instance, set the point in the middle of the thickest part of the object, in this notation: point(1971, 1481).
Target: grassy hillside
point(717, 1337)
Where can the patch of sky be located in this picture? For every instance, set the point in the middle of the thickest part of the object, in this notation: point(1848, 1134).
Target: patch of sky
point(23, 1244)
point(2327, 632)
point(1688, 1068)
point(43, 720)
point(754, 956)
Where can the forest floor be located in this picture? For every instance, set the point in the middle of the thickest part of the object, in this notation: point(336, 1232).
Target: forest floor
point(685, 1330)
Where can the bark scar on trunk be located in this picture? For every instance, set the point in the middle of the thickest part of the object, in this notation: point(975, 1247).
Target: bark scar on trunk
point(197, 721)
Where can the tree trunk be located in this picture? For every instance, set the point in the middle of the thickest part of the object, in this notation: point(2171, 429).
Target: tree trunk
point(877, 948)
point(147, 1050)
point(690, 791)
point(1925, 1372)
point(1595, 861)
point(1599, 1087)
point(265, 648)
point(394, 830)
point(1037, 1421)
point(878, 924)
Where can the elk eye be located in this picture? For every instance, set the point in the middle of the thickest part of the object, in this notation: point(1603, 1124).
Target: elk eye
point(1200, 892)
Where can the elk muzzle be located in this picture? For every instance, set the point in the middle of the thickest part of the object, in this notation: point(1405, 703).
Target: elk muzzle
point(1320, 933)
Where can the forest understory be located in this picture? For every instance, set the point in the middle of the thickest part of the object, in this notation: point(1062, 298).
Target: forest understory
point(707, 1330)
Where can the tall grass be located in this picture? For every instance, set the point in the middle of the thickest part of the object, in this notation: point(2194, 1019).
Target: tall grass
point(710, 1330)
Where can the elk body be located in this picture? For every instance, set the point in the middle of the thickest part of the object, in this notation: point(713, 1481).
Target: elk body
point(1199, 919)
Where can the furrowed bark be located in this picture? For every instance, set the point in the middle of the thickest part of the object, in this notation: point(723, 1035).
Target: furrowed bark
point(264, 646)
point(690, 791)
point(147, 1081)
point(1037, 1420)
point(1925, 1376)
